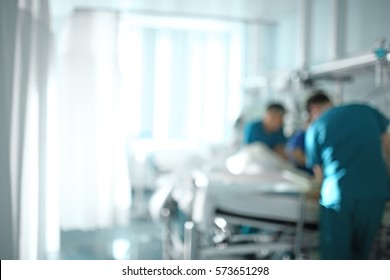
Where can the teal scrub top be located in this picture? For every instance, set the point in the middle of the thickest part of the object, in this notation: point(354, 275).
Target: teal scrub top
point(346, 142)
point(254, 132)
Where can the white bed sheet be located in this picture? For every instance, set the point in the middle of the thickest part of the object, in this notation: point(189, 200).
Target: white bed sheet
point(265, 196)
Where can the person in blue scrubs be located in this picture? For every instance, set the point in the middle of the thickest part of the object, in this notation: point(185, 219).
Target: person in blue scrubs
point(268, 131)
point(344, 144)
point(295, 151)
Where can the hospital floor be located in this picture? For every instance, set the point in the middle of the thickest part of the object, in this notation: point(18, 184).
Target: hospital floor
point(140, 240)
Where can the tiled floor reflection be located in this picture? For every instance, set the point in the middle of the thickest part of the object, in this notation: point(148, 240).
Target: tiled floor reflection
point(140, 240)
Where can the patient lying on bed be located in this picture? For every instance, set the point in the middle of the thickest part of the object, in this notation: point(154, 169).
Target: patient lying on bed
point(258, 159)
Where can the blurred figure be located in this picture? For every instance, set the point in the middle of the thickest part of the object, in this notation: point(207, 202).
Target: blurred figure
point(295, 150)
point(269, 131)
point(344, 145)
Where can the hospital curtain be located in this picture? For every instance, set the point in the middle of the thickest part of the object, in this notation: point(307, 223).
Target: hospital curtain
point(26, 60)
point(8, 236)
point(91, 116)
point(119, 81)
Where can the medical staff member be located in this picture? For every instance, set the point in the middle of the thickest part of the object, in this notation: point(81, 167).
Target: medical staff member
point(295, 151)
point(344, 145)
point(269, 131)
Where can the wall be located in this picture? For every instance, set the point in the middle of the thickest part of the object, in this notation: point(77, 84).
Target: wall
point(320, 32)
point(287, 43)
point(367, 21)
point(364, 22)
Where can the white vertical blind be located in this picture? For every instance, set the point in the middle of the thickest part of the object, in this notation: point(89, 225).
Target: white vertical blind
point(162, 84)
point(196, 73)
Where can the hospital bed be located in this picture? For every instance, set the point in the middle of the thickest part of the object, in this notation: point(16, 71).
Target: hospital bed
point(253, 189)
point(150, 160)
point(270, 201)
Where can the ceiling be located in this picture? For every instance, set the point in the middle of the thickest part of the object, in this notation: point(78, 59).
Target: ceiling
point(264, 10)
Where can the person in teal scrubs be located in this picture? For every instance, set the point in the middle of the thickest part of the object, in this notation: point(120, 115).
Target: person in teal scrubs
point(344, 146)
point(268, 131)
